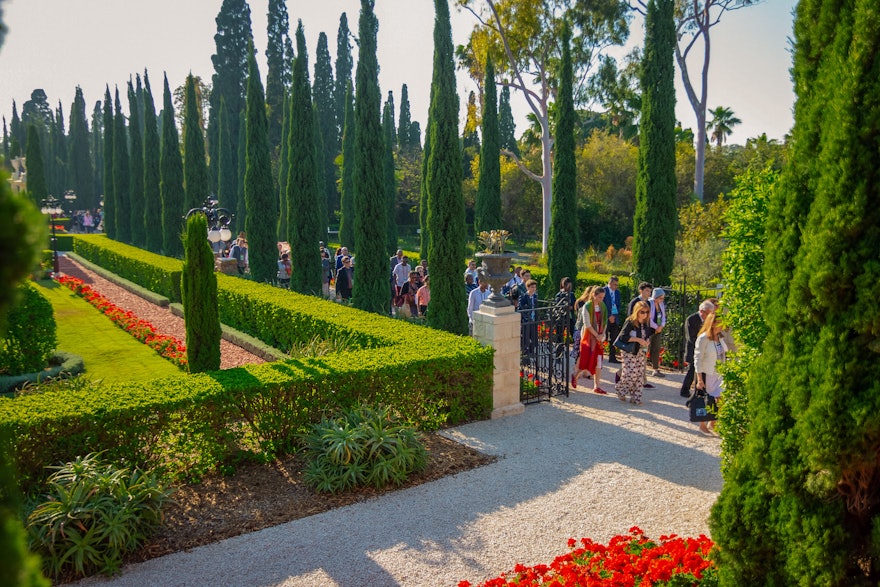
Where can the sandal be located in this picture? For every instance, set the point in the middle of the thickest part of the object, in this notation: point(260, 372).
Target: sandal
point(600, 391)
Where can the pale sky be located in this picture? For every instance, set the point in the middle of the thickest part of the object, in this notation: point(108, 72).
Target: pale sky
point(59, 44)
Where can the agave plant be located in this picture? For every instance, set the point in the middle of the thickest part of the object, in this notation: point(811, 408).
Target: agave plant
point(493, 241)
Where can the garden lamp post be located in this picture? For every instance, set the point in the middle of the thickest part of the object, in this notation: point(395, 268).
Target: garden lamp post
point(51, 206)
point(70, 199)
point(219, 220)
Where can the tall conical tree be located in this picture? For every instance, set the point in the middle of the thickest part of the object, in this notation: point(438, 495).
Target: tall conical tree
point(259, 188)
point(81, 171)
point(405, 121)
point(372, 290)
point(446, 215)
point(36, 170)
point(56, 154)
point(136, 165)
point(487, 207)
point(283, 172)
point(278, 66)
point(96, 139)
point(303, 196)
point(198, 287)
point(506, 124)
point(656, 218)
point(16, 127)
point(121, 171)
point(241, 213)
point(109, 185)
point(424, 229)
point(195, 170)
point(227, 184)
point(562, 245)
point(5, 144)
point(327, 127)
point(343, 68)
point(799, 502)
point(390, 136)
point(171, 180)
point(347, 209)
point(152, 151)
point(323, 215)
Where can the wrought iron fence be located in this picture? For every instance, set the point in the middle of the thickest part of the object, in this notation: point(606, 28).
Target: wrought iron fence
point(544, 353)
point(681, 301)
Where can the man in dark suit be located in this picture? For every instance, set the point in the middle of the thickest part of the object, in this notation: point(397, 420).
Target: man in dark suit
point(615, 317)
point(691, 330)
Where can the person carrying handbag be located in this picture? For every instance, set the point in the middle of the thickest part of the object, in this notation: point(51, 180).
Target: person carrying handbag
point(633, 341)
point(709, 351)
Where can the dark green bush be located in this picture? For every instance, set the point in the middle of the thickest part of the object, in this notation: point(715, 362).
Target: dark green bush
point(363, 446)
point(95, 514)
point(30, 337)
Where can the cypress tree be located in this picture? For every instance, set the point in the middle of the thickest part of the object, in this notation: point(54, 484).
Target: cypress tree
point(470, 139)
point(446, 215)
point(241, 213)
point(198, 288)
point(96, 142)
point(506, 124)
point(36, 172)
point(487, 207)
point(656, 218)
point(56, 154)
point(278, 32)
point(283, 171)
point(171, 180)
point(372, 291)
point(304, 220)
point(347, 213)
point(136, 165)
point(5, 144)
point(344, 64)
point(16, 127)
point(81, 171)
point(327, 128)
point(798, 506)
point(259, 189)
point(227, 184)
point(322, 183)
point(195, 171)
point(404, 121)
point(390, 136)
point(152, 196)
point(424, 230)
point(121, 170)
point(109, 190)
point(563, 240)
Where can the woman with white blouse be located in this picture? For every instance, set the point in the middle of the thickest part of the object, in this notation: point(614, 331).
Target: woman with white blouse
point(709, 350)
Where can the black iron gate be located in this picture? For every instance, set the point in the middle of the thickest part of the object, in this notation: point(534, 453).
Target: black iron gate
point(545, 346)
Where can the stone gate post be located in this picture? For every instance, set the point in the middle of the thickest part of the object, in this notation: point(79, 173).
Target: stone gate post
point(499, 326)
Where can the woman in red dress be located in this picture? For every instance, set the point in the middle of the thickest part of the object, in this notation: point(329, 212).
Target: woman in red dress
point(591, 322)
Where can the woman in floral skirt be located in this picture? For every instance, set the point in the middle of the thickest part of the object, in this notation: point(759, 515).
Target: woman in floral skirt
point(634, 330)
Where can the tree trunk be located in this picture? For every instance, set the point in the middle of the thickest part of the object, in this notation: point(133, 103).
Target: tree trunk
point(700, 158)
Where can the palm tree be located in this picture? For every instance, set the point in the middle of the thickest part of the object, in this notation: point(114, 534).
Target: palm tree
point(722, 123)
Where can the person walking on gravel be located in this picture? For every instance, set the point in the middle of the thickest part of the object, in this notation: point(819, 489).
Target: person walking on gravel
point(635, 330)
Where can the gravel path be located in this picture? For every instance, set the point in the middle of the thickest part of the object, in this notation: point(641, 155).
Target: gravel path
point(586, 466)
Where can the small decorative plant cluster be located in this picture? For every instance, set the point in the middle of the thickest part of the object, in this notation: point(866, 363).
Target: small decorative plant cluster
point(94, 514)
point(528, 383)
point(363, 446)
point(493, 241)
point(630, 559)
point(168, 347)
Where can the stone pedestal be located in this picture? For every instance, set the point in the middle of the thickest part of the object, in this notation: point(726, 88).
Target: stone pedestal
point(499, 326)
point(226, 265)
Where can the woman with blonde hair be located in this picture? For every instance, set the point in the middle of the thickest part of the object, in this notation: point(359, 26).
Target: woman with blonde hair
point(633, 340)
point(591, 322)
point(709, 350)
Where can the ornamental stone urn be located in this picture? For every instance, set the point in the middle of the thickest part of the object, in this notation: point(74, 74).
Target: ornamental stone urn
point(495, 264)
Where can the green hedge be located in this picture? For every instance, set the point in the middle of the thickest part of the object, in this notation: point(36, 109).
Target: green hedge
point(584, 279)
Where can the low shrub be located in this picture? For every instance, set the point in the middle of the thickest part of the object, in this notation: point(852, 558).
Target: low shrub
point(94, 514)
point(364, 446)
point(30, 335)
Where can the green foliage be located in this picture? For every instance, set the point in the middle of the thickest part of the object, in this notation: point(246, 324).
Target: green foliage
point(279, 53)
point(404, 122)
point(171, 181)
point(94, 515)
point(136, 173)
point(325, 103)
point(195, 168)
point(699, 246)
point(341, 91)
point(363, 446)
point(30, 335)
point(371, 287)
point(346, 206)
point(198, 288)
point(284, 172)
point(227, 174)
point(390, 138)
point(152, 150)
point(487, 208)
point(121, 177)
point(446, 215)
point(81, 169)
point(36, 173)
point(655, 218)
point(562, 244)
point(506, 124)
point(109, 191)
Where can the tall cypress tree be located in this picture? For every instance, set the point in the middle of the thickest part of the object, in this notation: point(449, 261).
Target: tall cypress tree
point(487, 207)
point(343, 68)
point(195, 170)
point(81, 170)
point(390, 136)
point(56, 154)
point(799, 502)
point(121, 170)
point(424, 229)
point(198, 288)
point(283, 172)
point(327, 127)
point(506, 124)
point(563, 241)
point(259, 188)
point(227, 185)
point(446, 215)
point(656, 219)
point(241, 212)
point(152, 197)
point(16, 127)
point(109, 185)
point(278, 32)
point(171, 180)
point(97, 146)
point(36, 170)
point(372, 291)
point(347, 210)
point(136, 165)
point(5, 144)
point(404, 122)
point(304, 220)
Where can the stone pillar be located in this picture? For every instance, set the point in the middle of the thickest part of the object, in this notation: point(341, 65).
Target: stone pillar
point(499, 326)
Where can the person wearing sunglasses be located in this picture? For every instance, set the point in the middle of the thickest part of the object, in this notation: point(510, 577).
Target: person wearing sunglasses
point(634, 335)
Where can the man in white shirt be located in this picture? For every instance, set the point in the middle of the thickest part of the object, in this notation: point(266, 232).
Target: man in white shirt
point(401, 274)
point(475, 299)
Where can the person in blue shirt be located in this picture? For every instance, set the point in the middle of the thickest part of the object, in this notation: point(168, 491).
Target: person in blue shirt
point(615, 312)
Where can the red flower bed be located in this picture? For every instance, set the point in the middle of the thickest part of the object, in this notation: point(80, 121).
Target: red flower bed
point(628, 561)
point(167, 346)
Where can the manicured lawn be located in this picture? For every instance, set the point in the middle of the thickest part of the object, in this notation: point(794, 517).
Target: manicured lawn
point(110, 354)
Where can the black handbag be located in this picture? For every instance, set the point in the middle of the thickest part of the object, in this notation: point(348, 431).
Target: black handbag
point(628, 347)
point(702, 406)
